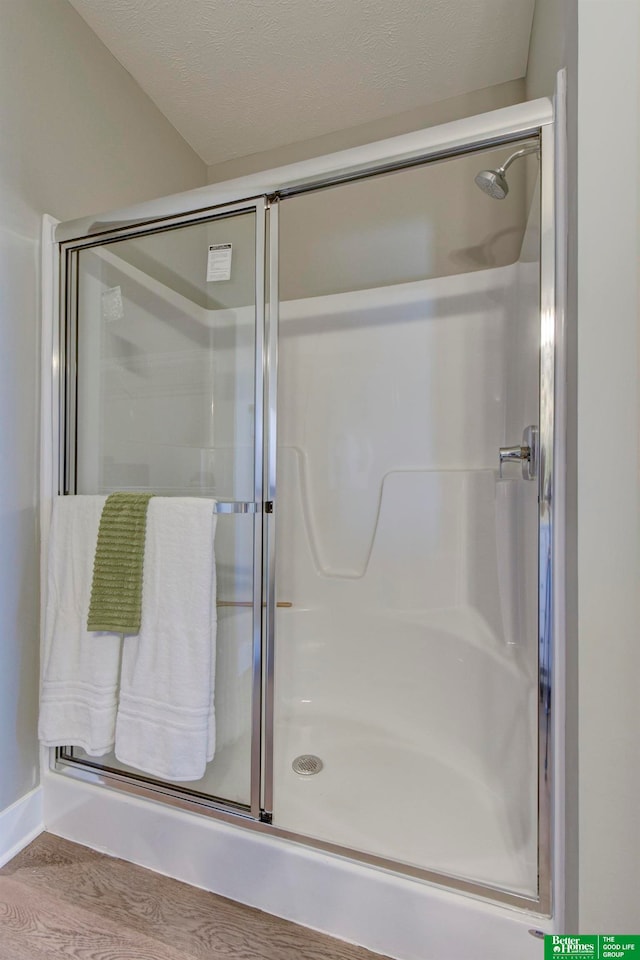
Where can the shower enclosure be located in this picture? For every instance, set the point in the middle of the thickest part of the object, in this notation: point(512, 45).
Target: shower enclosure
point(355, 362)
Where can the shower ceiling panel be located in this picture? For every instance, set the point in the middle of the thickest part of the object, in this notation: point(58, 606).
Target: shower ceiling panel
point(234, 78)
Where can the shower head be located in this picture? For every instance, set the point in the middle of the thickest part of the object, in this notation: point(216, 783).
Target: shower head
point(494, 182)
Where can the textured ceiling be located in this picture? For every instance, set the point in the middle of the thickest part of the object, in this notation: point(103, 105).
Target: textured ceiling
point(235, 77)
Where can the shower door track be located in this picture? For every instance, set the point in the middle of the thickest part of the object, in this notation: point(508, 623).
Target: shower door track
point(507, 126)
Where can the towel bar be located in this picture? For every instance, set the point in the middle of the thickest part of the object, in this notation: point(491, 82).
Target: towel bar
point(236, 506)
point(248, 603)
point(220, 506)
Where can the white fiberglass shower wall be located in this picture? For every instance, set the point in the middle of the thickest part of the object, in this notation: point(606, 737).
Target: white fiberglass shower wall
point(345, 394)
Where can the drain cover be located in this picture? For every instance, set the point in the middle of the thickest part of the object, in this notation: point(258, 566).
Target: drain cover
point(306, 765)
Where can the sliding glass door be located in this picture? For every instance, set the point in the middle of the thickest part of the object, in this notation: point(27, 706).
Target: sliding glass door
point(163, 394)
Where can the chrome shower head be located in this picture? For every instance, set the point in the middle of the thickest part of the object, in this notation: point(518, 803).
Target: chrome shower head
point(494, 182)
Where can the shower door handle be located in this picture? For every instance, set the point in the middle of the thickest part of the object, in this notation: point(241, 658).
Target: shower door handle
point(526, 454)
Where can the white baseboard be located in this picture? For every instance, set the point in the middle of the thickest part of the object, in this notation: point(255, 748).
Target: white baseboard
point(20, 824)
point(392, 915)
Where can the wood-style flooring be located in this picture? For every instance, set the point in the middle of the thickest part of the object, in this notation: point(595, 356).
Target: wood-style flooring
point(61, 900)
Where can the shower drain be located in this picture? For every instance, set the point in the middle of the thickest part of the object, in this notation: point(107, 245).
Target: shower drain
point(306, 765)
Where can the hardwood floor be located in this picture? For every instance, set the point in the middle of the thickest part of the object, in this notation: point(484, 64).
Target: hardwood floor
point(61, 900)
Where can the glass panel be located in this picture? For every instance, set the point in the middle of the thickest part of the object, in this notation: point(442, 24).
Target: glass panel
point(407, 663)
point(166, 371)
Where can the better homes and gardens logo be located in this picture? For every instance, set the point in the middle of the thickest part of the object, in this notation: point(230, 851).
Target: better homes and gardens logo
point(602, 947)
point(571, 947)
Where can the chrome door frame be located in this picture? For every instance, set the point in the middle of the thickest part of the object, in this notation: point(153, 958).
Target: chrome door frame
point(66, 472)
point(500, 128)
point(270, 480)
point(549, 570)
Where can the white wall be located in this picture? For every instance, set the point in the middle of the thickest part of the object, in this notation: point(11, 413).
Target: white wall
point(608, 480)
point(78, 136)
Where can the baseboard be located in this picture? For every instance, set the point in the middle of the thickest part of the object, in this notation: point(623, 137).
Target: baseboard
point(20, 824)
point(389, 914)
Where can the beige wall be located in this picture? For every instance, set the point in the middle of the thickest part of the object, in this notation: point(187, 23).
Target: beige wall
point(608, 464)
point(553, 24)
point(78, 136)
point(480, 101)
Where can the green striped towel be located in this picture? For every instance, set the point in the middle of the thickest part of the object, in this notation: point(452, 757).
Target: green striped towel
point(116, 590)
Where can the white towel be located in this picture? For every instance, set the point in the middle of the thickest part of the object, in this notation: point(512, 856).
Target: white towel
point(166, 719)
point(78, 697)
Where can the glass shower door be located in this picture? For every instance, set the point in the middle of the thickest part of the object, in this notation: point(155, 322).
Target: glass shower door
point(406, 656)
point(164, 332)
